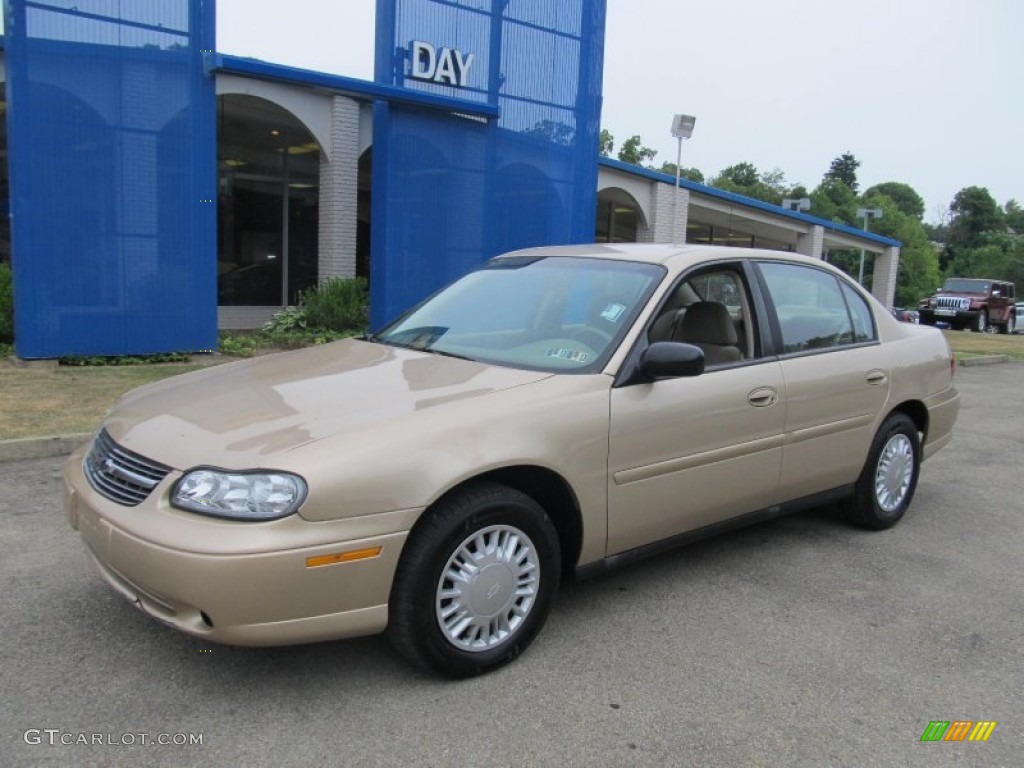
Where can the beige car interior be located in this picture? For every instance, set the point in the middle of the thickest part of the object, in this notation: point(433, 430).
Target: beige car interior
point(720, 332)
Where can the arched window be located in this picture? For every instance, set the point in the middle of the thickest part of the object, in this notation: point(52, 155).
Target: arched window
point(619, 218)
point(268, 173)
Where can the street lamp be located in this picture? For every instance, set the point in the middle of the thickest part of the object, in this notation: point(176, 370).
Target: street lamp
point(797, 204)
point(867, 214)
point(682, 128)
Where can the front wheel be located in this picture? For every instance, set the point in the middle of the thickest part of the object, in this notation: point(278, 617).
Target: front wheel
point(887, 483)
point(981, 322)
point(475, 582)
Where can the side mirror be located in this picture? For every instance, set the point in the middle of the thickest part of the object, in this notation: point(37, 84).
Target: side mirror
point(671, 360)
point(996, 294)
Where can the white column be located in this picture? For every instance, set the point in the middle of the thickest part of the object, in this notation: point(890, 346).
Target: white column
point(884, 283)
point(339, 182)
point(660, 225)
point(812, 243)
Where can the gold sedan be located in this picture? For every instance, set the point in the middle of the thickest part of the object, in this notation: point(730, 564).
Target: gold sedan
point(558, 411)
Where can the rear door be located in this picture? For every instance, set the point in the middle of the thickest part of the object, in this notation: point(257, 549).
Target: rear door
point(835, 372)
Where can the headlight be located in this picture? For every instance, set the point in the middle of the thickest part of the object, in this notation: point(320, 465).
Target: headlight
point(256, 495)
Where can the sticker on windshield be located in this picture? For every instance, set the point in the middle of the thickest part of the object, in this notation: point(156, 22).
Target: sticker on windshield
point(613, 312)
point(571, 355)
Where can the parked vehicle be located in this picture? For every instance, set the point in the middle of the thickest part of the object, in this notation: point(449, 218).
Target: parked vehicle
point(905, 315)
point(558, 411)
point(1018, 314)
point(978, 304)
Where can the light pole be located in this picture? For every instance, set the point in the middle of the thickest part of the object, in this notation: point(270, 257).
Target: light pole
point(797, 204)
point(682, 128)
point(867, 214)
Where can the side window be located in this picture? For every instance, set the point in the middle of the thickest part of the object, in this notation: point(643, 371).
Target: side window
point(710, 309)
point(810, 306)
point(860, 312)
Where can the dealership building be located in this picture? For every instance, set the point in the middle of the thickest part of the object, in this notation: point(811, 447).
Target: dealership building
point(159, 190)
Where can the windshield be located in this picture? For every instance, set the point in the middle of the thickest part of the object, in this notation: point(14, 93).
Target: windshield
point(963, 285)
point(556, 314)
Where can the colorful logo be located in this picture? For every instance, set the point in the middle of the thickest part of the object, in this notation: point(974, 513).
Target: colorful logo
point(958, 730)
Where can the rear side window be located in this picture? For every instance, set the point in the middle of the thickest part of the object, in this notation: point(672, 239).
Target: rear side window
point(816, 311)
point(860, 313)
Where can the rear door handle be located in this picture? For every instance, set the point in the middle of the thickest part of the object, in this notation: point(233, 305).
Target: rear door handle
point(877, 377)
point(762, 397)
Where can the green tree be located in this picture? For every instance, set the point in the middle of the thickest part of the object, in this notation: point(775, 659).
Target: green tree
point(972, 214)
point(745, 179)
point(693, 174)
point(741, 175)
point(834, 200)
point(844, 169)
point(918, 272)
point(634, 152)
point(998, 256)
point(904, 195)
point(606, 143)
point(1014, 216)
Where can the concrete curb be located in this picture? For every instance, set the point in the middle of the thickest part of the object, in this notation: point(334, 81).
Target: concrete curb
point(967, 362)
point(41, 447)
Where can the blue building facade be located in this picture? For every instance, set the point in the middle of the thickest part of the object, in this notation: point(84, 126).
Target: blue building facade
point(160, 191)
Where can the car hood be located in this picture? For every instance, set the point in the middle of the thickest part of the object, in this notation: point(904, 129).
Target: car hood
point(247, 413)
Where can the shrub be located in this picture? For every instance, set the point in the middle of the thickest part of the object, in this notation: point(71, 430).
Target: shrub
point(338, 304)
point(287, 320)
point(6, 305)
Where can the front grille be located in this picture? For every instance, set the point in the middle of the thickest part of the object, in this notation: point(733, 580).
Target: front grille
point(119, 474)
point(952, 302)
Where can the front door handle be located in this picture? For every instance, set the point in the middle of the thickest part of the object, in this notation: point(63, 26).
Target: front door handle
point(762, 397)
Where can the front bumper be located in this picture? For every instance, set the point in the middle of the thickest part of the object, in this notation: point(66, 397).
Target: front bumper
point(238, 582)
point(960, 317)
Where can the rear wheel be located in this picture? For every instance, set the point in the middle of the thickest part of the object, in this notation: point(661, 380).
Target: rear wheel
point(1008, 326)
point(475, 582)
point(887, 483)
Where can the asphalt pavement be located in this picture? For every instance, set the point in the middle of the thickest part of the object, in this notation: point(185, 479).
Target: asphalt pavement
point(800, 642)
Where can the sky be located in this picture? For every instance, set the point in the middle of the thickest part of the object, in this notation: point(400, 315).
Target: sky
point(924, 92)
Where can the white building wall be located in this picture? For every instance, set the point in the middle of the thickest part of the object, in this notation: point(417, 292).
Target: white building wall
point(664, 213)
point(811, 243)
point(884, 283)
point(339, 183)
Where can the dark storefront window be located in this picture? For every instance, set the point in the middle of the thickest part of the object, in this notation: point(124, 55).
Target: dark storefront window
point(710, 234)
point(268, 167)
point(618, 218)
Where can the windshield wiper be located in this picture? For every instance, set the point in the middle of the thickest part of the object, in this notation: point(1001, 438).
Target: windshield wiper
point(446, 354)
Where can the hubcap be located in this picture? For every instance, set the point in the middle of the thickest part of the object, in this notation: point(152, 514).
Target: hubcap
point(487, 588)
point(894, 472)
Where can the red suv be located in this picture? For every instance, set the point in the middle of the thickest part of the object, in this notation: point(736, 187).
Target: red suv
point(976, 303)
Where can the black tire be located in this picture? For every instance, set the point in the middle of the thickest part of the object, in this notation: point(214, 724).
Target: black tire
point(876, 503)
point(981, 322)
point(480, 513)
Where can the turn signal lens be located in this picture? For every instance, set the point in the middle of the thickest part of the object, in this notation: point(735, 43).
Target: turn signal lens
point(343, 557)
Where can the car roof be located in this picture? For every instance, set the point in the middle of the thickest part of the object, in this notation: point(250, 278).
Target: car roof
point(677, 257)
